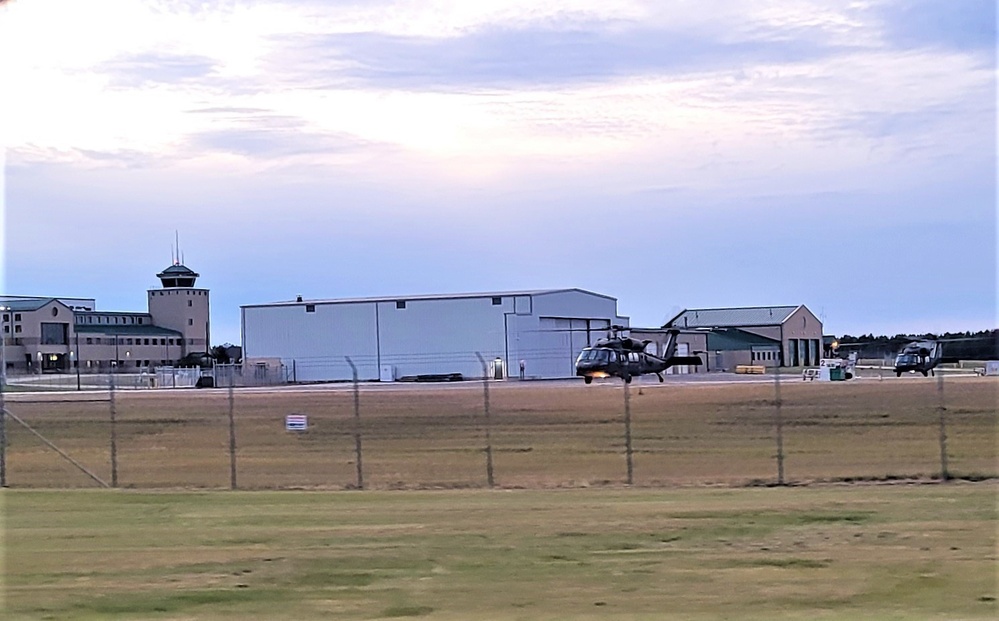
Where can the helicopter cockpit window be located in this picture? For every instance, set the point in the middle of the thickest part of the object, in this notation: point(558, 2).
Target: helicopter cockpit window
point(906, 359)
point(598, 355)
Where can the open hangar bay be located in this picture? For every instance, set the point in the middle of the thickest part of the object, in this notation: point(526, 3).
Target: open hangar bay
point(392, 338)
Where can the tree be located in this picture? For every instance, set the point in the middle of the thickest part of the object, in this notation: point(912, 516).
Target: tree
point(220, 354)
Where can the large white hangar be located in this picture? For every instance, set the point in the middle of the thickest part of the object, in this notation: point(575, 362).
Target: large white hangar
point(393, 338)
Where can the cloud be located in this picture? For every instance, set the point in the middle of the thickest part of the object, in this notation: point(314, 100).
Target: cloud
point(530, 57)
point(957, 24)
point(273, 142)
point(137, 70)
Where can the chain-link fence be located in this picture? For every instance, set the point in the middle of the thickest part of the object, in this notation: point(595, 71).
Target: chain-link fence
point(713, 430)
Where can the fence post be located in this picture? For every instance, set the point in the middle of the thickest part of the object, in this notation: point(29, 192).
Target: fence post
point(3, 426)
point(232, 439)
point(114, 432)
point(485, 403)
point(942, 410)
point(779, 424)
point(627, 434)
point(357, 422)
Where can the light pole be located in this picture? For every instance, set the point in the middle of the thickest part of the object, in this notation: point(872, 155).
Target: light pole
point(78, 361)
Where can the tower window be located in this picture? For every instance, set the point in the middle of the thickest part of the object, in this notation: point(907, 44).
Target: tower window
point(497, 301)
point(310, 308)
point(400, 304)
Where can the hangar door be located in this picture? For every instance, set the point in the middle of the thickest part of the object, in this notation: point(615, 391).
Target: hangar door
point(560, 342)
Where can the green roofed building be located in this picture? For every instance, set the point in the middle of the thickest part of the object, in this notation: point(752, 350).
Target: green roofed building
point(57, 334)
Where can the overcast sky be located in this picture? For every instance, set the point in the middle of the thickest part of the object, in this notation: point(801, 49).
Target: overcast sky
point(672, 154)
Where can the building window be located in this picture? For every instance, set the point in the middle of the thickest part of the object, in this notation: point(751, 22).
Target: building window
point(497, 301)
point(190, 341)
point(17, 316)
point(145, 341)
point(128, 342)
point(6, 329)
point(90, 341)
point(400, 304)
point(17, 329)
point(190, 302)
point(6, 317)
point(310, 308)
point(190, 322)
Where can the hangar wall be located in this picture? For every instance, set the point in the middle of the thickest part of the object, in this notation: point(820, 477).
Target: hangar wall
point(397, 337)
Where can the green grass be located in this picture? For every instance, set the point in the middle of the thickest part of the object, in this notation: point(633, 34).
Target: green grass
point(821, 552)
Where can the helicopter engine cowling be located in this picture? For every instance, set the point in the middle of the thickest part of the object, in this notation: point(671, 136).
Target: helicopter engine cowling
point(628, 344)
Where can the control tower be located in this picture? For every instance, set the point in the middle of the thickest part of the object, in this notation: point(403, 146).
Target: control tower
point(179, 305)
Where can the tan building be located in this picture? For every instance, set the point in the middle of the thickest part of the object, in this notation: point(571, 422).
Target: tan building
point(51, 335)
point(787, 336)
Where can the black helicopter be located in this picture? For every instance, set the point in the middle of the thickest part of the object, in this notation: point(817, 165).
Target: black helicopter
point(922, 356)
point(625, 357)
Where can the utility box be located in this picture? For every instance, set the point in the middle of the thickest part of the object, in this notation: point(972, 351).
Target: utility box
point(836, 374)
point(386, 373)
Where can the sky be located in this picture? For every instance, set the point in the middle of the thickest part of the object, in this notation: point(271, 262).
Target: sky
point(837, 154)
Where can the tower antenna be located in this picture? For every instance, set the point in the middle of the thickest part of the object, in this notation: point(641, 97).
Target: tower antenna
point(176, 236)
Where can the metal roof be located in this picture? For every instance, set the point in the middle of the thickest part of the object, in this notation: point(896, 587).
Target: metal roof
point(732, 317)
point(439, 296)
point(734, 339)
point(115, 313)
point(126, 330)
point(27, 304)
point(177, 270)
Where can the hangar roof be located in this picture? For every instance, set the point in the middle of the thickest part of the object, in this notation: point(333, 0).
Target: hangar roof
point(737, 340)
point(732, 317)
point(439, 296)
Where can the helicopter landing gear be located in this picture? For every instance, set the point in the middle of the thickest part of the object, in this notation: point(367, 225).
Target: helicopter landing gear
point(898, 374)
point(660, 376)
point(925, 373)
point(627, 378)
point(587, 380)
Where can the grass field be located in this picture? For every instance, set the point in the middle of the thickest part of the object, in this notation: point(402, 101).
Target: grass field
point(831, 551)
point(544, 435)
point(862, 531)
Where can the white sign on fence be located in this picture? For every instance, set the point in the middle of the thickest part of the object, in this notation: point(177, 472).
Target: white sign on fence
point(296, 422)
